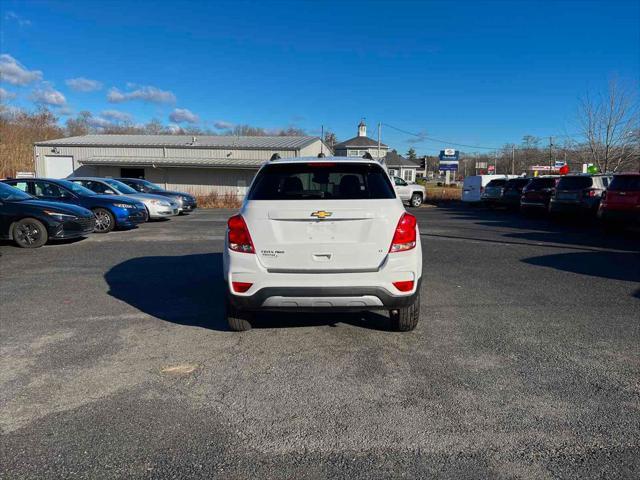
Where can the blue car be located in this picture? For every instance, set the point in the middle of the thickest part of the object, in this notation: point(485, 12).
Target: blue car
point(110, 211)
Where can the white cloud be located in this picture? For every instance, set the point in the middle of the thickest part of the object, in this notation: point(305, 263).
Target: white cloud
point(82, 84)
point(173, 128)
point(145, 93)
point(116, 116)
point(47, 95)
point(6, 95)
point(13, 72)
point(222, 125)
point(180, 115)
point(14, 17)
point(99, 122)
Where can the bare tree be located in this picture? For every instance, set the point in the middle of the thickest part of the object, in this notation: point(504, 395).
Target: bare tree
point(610, 123)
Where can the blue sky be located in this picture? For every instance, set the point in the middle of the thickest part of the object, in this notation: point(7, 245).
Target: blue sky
point(473, 72)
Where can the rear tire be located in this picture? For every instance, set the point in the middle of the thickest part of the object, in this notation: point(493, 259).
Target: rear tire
point(239, 320)
point(105, 222)
point(416, 200)
point(29, 233)
point(406, 319)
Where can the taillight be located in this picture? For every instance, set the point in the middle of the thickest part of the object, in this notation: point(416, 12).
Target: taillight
point(238, 236)
point(591, 192)
point(405, 286)
point(404, 237)
point(241, 287)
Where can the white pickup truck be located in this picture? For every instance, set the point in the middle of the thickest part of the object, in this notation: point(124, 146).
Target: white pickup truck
point(410, 193)
point(317, 234)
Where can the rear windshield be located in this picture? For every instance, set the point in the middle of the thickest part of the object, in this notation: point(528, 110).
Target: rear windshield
point(496, 183)
point(322, 180)
point(628, 183)
point(518, 182)
point(574, 183)
point(538, 183)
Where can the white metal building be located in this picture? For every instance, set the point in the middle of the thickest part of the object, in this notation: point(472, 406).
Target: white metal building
point(198, 165)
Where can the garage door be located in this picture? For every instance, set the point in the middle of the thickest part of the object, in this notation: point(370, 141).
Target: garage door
point(58, 167)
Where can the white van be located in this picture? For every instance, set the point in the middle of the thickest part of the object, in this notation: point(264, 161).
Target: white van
point(474, 186)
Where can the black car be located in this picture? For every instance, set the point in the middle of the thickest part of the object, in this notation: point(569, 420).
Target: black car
point(30, 223)
point(187, 202)
point(537, 194)
point(111, 211)
point(512, 191)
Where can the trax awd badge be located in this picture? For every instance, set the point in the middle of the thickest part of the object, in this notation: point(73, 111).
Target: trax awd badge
point(321, 214)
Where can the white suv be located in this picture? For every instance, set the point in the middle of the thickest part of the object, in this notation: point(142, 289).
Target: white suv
point(318, 234)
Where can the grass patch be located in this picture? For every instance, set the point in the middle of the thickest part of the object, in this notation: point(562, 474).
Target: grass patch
point(216, 200)
point(443, 194)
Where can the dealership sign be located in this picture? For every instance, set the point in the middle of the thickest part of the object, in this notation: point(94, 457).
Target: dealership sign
point(449, 159)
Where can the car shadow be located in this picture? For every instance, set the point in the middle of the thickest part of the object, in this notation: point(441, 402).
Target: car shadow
point(538, 228)
point(190, 290)
point(611, 265)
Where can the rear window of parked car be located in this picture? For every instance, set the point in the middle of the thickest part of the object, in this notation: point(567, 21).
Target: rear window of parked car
point(629, 183)
point(539, 183)
point(496, 183)
point(517, 182)
point(574, 183)
point(321, 180)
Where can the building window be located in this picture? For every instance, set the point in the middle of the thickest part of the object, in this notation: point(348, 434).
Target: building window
point(408, 175)
point(353, 153)
point(132, 172)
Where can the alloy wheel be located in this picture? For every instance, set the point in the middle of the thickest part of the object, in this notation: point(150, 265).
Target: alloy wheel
point(103, 221)
point(28, 233)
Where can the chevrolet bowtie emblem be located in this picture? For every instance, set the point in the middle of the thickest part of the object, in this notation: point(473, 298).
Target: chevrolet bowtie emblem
point(321, 214)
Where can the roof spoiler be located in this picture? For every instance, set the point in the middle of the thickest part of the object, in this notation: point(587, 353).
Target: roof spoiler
point(275, 156)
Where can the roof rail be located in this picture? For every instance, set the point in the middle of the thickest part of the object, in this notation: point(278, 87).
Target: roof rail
point(275, 156)
point(321, 155)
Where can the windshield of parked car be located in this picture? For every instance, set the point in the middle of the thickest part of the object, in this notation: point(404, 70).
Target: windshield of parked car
point(151, 186)
point(120, 187)
point(574, 183)
point(627, 183)
point(76, 188)
point(12, 194)
point(321, 180)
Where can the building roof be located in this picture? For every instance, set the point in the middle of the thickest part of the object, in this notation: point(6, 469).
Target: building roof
point(206, 141)
point(358, 141)
point(173, 162)
point(393, 159)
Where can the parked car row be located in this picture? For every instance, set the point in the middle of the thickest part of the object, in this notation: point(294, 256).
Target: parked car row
point(34, 210)
point(609, 197)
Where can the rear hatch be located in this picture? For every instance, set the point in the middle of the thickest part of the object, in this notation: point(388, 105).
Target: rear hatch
point(570, 189)
point(322, 216)
point(623, 192)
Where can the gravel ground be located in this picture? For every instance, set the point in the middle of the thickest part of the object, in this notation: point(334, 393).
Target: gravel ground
point(115, 361)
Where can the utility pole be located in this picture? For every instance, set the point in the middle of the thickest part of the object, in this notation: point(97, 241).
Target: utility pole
point(495, 162)
point(513, 160)
point(550, 153)
point(379, 133)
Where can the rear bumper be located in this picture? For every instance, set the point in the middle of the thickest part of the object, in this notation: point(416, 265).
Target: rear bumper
point(323, 298)
point(556, 206)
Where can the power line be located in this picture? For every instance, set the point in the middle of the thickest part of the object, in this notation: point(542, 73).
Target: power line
point(427, 138)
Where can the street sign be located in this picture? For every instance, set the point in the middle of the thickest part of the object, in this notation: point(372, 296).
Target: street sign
point(481, 164)
point(449, 159)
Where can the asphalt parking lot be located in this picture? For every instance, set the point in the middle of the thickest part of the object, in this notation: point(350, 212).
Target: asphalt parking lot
point(116, 361)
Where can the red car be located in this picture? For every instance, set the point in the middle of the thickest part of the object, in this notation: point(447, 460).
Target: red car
point(621, 201)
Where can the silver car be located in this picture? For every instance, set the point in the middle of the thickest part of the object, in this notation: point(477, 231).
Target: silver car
point(157, 206)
